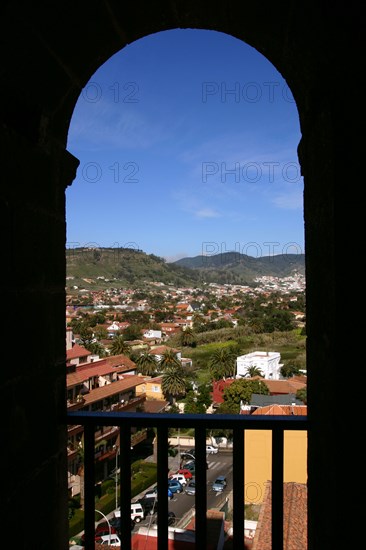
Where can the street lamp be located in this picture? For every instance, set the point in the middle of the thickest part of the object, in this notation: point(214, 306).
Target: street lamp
point(115, 475)
point(109, 525)
point(116, 478)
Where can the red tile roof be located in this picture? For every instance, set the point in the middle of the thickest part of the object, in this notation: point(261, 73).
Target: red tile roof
point(159, 350)
point(77, 351)
point(80, 376)
point(129, 382)
point(294, 518)
point(288, 410)
point(155, 406)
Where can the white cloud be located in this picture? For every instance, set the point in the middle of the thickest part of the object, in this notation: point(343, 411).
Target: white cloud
point(207, 213)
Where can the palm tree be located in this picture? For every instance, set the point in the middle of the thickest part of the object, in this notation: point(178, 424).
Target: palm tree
point(254, 371)
point(119, 346)
point(188, 337)
point(169, 359)
point(173, 383)
point(147, 364)
point(222, 363)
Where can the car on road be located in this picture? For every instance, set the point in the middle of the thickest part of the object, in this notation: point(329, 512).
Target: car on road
point(100, 530)
point(180, 477)
point(191, 466)
point(152, 493)
point(187, 473)
point(107, 540)
point(190, 454)
point(149, 505)
point(219, 484)
point(104, 530)
point(211, 450)
point(175, 486)
point(191, 487)
point(137, 512)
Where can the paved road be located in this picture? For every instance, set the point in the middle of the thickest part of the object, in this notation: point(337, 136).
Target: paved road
point(220, 464)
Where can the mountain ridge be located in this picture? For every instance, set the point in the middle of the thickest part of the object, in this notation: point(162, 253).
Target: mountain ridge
point(134, 267)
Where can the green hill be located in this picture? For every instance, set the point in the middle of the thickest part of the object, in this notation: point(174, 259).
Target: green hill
point(233, 267)
point(101, 267)
point(123, 266)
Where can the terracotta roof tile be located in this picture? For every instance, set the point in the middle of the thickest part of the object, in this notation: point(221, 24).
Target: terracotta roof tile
point(77, 351)
point(294, 520)
point(129, 382)
point(288, 410)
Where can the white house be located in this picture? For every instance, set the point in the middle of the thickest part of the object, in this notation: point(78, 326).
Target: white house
point(152, 334)
point(268, 362)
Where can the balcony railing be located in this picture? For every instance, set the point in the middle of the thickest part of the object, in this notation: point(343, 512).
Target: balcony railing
point(162, 422)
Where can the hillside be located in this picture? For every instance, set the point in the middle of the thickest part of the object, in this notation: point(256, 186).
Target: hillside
point(103, 267)
point(235, 267)
point(123, 266)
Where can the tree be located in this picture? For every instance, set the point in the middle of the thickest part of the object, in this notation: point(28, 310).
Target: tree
point(228, 407)
point(96, 348)
point(222, 363)
point(119, 346)
point(204, 395)
point(173, 383)
point(188, 337)
point(169, 359)
point(86, 336)
point(254, 371)
point(133, 332)
point(100, 333)
point(147, 364)
point(289, 370)
point(193, 405)
point(241, 390)
point(302, 395)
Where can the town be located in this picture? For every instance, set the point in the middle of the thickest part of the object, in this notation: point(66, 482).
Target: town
point(214, 348)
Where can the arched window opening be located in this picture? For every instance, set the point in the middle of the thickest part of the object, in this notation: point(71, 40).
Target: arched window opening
point(185, 245)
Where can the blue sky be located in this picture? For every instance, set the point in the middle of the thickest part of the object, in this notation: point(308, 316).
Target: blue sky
point(187, 141)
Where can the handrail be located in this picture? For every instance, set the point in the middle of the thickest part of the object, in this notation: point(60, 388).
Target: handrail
point(277, 424)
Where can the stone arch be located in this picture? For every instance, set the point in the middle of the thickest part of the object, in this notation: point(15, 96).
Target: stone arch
point(49, 53)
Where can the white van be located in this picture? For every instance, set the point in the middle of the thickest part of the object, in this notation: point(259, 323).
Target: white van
point(137, 512)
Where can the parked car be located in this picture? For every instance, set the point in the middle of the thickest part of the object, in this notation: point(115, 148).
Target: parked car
point(219, 484)
point(191, 466)
point(191, 487)
point(104, 530)
point(149, 505)
point(175, 486)
point(185, 455)
point(210, 449)
point(100, 530)
point(107, 540)
point(115, 523)
point(137, 512)
point(180, 477)
point(187, 473)
point(152, 493)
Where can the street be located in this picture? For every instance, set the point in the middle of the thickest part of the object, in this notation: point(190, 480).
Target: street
point(219, 464)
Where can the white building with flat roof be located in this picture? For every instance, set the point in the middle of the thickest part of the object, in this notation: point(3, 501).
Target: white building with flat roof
point(268, 362)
